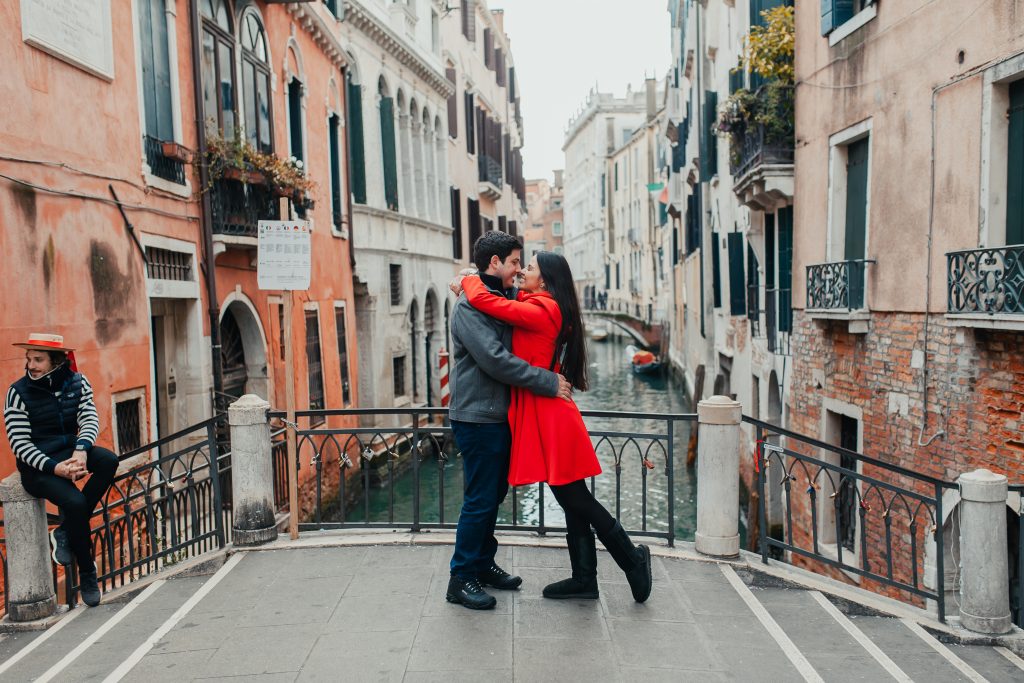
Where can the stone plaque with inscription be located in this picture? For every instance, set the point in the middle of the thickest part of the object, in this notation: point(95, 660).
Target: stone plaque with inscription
point(76, 31)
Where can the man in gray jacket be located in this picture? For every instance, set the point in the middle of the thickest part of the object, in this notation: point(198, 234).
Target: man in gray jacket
point(482, 370)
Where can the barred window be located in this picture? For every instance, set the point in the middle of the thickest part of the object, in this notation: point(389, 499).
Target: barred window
point(314, 363)
point(396, 284)
point(398, 372)
point(166, 264)
point(129, 425)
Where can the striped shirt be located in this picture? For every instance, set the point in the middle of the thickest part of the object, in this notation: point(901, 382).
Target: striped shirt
point(19, 428)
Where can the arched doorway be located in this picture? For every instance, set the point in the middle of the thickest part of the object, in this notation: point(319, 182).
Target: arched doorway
point(775, 505)
point(414, 366)
point(430, 325)
point(243, 351)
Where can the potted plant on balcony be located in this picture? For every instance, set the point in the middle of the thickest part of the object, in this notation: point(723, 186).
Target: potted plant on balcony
point(769, 54)
point(237, 160)
point(176, 151)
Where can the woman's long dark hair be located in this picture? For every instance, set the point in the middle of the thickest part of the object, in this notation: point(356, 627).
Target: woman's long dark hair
point(558, 280)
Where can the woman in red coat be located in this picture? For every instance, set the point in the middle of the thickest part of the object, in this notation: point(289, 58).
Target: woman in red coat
point(550, 443)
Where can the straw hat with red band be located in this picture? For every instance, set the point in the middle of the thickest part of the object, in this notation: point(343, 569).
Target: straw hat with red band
point(38, 341)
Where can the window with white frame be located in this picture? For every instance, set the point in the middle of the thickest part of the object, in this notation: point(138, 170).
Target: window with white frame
point(556, 228)
point(256, 83)
point(156, 36)
point(839, 531)
point(850, 204)
point(840, 18)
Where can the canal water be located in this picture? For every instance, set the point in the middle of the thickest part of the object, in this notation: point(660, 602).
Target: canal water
point(614, 387)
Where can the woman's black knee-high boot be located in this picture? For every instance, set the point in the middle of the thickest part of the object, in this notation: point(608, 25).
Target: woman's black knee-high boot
point(634, 560)
point(583, 558)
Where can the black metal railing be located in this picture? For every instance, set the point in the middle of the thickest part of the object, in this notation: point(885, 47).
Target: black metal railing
point(1017, 573)
point(489, 170)
point(986, 280)
point(756, 148)
point(771, 142)
point(754, 310)
point(160, 165)
point(160, 512)
point(641, 491)
point(849, 511)
point(238, 207)
point(778, 319)
point(837, 286)
point(279, 454)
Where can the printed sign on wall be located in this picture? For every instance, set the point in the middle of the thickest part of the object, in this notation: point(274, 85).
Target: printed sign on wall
point(283, 255)
point(76, 31)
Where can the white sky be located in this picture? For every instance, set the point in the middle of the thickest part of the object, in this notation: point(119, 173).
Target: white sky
point(561, 48)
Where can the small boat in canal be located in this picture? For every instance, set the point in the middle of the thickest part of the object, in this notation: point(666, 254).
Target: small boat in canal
point(599, 334)
point(642, 362)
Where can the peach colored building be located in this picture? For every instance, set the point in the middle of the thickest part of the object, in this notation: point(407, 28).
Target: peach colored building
point(909, 221)
point(545, 217)
point(88, 119)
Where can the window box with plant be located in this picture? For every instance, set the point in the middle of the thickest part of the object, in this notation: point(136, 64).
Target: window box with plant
point(238, 160)
point(760, 123)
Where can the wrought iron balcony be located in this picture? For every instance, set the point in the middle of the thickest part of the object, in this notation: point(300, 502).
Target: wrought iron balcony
point(238, 207)
point(490, 176)
point(837, 286)
point(989, 281)
point(756, 148)
point(161, 165)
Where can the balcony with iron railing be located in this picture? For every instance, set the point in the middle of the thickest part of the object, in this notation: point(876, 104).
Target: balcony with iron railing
point(838, 291)
point(237, 206)
point(160, 163)
point(985, 287)
point(762, 151)
point(490, 175)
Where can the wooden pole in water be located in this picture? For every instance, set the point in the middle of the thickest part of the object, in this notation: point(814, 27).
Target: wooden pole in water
point(698, 394)
point(289, 399)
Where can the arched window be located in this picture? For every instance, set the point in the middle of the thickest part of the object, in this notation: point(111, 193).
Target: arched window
point(218, 67)
point(256, 83)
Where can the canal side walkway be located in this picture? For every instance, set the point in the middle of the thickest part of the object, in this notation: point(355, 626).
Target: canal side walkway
point(336, 607)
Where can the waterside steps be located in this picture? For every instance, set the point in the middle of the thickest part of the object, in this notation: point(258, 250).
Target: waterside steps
point(370, 606)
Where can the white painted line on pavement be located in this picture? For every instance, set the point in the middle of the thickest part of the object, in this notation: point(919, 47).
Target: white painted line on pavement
point(788, 647)
point(1014, 659)
point(100, 632)
point(141, 651)
point(25, 651)
point(859, 636)
point(944, 651)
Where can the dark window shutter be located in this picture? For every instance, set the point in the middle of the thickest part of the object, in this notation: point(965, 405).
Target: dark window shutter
point(295, 117)
point(709, 164)
point(470, 123)
point(456, 200)
point(502, 224)
point(488, 49)
point(334, 126)
point(769, 251)
point(473, 212)
point(453, 106)
point(835, 13)
point(156, 69)
point(785, 238)
point(512, 84)
point(387, 135)
point(737, 295)
point(513, 229)
point(357, 155)
point(469, 20)
point(675, 246)
point(753, 284)
point(1015, 167)
point(716, 275)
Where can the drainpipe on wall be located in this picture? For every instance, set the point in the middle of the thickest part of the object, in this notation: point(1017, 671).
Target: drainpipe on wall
point(205, 218)
point(700, 155)
point(348, 183)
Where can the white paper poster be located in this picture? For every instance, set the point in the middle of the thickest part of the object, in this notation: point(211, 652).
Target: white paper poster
point(283, 257)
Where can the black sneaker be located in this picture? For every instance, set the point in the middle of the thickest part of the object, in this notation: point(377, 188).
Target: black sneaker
point(469, 593)
point(89, 588)
point(496, 577)
point(61, 553)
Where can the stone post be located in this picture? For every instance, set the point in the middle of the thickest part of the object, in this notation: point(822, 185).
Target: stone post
point(984, 576)
point(252, 472)
point(30, 593)
point(718, 474)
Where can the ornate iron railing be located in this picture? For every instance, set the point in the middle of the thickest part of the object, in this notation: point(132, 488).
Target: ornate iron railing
point(755, 148)
point(986, 280)
point(489, 170)
point(238, 207)
point(759, 145)
point(836, 286)
point(423, 444)
point(849, 511)
point(160, 165)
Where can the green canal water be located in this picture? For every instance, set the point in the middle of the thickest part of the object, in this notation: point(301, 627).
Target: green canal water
point(614, 387)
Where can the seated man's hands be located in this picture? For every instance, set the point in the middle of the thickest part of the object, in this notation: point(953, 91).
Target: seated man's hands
point(70, 469)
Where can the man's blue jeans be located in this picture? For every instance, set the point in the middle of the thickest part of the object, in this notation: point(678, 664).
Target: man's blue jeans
point(485, 453)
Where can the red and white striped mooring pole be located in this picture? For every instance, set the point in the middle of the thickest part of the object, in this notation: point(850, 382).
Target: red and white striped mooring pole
point(442, 364)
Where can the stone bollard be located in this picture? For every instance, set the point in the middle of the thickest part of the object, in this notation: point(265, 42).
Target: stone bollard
point(718, 475)
point(984, 576)
point(252, 472)
point(30, 593)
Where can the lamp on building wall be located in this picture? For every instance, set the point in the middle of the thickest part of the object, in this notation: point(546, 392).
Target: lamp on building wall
point(447, 9)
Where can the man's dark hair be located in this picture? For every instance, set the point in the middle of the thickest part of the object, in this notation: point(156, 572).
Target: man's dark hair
point(57, 357)
point(494, 243)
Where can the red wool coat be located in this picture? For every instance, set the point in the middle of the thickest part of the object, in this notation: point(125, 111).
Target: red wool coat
point(549, 440)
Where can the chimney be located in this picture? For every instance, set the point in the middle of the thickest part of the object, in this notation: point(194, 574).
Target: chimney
point(652, 98)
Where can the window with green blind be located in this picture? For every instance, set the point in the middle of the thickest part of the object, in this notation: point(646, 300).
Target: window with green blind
point(1015, 166)
point(716, 274)
point(356, 152)
point(784, 238)
point(835, 13)
point(387, 144)
point(156, 69)
point(737, 274)
point(709, 161)
point(334, 142)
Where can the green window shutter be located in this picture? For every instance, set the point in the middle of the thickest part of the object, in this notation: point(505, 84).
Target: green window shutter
point(769, 251)
point(835, 13)
point(357, 155)
point(334, 124)
point(387, 140)
point(785, 240)
point(856, 199)
point(716, 276)
point(1015, 167)
point(709, 162)
point(156, 69)
point(295, 117)
point(737, 294)
point(456, 200)
point(753, 284)
point(470, 112)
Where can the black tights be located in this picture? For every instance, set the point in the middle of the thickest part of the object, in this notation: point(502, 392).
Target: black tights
point(582, 511)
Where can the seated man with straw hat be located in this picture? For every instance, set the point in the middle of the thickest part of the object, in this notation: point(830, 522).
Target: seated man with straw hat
point(52, 426)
